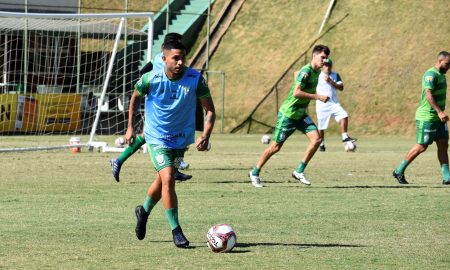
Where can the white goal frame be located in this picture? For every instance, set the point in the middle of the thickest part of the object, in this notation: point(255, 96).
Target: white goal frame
point(120, 34)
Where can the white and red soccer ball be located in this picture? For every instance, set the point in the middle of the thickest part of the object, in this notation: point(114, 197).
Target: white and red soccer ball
point(350, 146)
point(221, 238)
point(265, 139)
point(120, 142)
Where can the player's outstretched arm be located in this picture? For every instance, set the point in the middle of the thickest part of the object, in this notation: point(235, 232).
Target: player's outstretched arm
point(133, 110)
point(210, 118)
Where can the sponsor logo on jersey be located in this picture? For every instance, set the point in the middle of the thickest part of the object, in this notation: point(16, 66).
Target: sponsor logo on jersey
point(159, 147)
point(139, 83)
point(173, 136)
point(304, 75)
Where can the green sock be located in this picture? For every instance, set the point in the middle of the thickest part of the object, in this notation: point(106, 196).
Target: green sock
point(172, 216)
point(301, 167)
point(149, 204)
point(131, 149)
point(402, 167)
point(256, 171)
point(445, 172)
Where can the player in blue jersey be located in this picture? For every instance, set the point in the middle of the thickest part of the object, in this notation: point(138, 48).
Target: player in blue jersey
point(170, 105)
point(117, 163)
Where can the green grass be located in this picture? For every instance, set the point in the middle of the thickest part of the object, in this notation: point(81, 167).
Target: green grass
point(60, 210)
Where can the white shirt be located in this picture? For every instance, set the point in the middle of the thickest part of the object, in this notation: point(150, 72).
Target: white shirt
point(325, 88)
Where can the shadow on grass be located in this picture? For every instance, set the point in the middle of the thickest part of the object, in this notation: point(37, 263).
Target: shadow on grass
point(402, 186)
point(247, 169)
point(240, 182)
point(336, 187)
point(191, 246)
point(221, 169)
point(245, 245)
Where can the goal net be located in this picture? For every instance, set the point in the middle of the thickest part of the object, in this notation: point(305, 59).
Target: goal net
point(67, 78)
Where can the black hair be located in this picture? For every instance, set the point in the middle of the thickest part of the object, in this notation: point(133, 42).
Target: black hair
point(443, 54)
point(173, 36)
point(173, 45)
point(321, 48)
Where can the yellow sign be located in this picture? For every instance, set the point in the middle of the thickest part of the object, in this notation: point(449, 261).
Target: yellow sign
point(8, 107)
point(40, 112)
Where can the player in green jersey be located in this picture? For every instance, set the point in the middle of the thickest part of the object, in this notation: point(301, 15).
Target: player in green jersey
point(431, 119)
point(292, 115)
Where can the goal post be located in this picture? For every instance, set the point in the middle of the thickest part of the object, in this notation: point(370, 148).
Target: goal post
point(68, 75)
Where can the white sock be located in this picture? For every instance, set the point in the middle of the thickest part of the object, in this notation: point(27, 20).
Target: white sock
point(344, 135)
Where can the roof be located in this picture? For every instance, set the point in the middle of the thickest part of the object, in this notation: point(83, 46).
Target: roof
point(61, 6)
point(58, 27)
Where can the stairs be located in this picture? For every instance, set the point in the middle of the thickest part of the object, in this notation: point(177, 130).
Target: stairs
point(186, 18)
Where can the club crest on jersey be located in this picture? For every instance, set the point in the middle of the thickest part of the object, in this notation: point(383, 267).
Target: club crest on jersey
point(139, 83)
point(429, 78)
point(304, 75)
point(160, 160)
point(185, 89)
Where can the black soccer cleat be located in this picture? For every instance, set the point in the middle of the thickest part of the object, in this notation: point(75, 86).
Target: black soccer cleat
point(400, 177)
point(179, 239)
point(141, 225)
point(349, 139)
point(181, 176)
point(444, 182)
point(322, 148)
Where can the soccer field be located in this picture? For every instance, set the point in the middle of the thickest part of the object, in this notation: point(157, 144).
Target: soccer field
point(60, 210)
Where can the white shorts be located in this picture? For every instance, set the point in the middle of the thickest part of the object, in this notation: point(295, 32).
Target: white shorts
point(324, 114)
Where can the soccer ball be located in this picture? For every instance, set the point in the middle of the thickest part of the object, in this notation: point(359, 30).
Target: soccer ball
point(349, 146)
point(265, 139)
point(120, 142)
point(221, 238)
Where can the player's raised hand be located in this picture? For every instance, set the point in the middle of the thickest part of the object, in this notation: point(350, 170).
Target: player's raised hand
point(443, 116)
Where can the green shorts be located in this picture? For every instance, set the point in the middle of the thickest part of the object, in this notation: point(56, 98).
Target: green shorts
point(163, 157)
point(286, 126)
point(428, 132)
